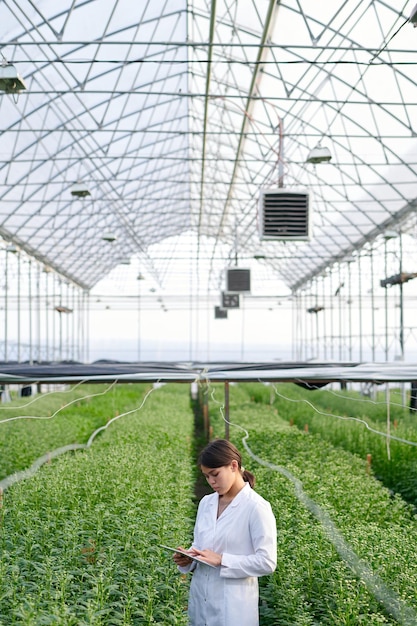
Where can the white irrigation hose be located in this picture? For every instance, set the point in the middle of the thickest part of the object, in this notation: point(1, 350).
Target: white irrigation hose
point(49, 417)
point(31, 471)
point(44, 395)
point(387, 597)
point(347, 418)
point(46, 458)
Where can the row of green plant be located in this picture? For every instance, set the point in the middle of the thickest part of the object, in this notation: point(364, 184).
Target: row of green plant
point(316, 582)
point(32, 426)
point(330, 414)
point(80, 541)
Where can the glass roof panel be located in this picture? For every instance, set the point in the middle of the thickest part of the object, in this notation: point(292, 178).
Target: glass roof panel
point(175, 115)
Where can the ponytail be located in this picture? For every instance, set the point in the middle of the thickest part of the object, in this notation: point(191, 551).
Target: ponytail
point(248, 477)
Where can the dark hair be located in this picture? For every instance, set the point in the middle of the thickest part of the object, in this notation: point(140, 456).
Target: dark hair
point(221, 452)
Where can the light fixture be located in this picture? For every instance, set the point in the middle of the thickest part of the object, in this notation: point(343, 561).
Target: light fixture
point(319, 154)
point(79, 190)
point(390, 234)
point(125, 261)
point(109, 237)
point(11, 248)
point(140, 277)
point(10, 81)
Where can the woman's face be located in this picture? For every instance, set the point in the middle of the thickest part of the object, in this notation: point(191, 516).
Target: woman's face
point(221, 479)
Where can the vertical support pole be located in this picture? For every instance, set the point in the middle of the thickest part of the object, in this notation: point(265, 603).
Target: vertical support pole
point(350, 308)
point(339, 296)
point(331, 287)
point(226, 410)
point(388, 423)
point(372, 305)
point(73, 323)
point(386, 299)
point(360, 308)
point(206, 412)
point(46, 313)
point(87, 339)
point(30, 313)
point(401, 301)
point(323, 297)
point(6, 304)
point(19, 278)
point(38, 312)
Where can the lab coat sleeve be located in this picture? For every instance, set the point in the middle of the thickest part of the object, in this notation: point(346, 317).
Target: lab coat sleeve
point(263, 532)
point(187, 568)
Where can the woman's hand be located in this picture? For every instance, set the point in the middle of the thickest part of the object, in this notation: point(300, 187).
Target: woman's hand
point(180, 559)
point(208, 556)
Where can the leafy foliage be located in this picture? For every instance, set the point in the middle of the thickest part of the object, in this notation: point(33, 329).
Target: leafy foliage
point(80, 540)
point(312, 583)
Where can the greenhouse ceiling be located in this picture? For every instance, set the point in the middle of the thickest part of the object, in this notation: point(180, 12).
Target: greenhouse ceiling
point(170, 118)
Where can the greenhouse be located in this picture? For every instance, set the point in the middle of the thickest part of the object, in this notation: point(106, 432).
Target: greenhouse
point(141, 155)
point(208, 226)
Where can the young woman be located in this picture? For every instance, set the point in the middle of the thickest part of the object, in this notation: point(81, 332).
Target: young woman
point(235, 541)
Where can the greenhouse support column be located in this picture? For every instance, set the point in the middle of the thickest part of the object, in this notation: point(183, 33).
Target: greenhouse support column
point(208, 319)
point(295, 322)
point(372, 305)
point(73, 323)
point(386, 298)
point(6, 301)
point(30, 312)
point(360, 308)
point(403, 393)
point(38, 312)
point(139, 318)
point(190, 325)
point(46, 274)
point(60, 323)
point(323, 297)
point(87, 340)
point(401, 300)
point(79, 323)
point(19, 278)
point(206, 412)
point(303, 322)
point(350, 308)
point(66, 318)
point(339, 300)
point(53, 317)
point(242, 338)
point(304, 355)
point(331, 286)
point(226, 410)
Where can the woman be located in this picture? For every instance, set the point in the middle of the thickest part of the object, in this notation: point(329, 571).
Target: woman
point(235, 534)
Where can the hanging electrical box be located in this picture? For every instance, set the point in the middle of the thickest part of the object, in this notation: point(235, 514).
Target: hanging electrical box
point(230, 300)
point(220, 313)
point(237, 280)
point(284, 214)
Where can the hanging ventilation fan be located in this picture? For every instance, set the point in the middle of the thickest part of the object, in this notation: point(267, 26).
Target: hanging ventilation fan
point(284, 214)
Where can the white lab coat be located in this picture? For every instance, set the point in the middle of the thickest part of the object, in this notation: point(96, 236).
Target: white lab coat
point(245, 534)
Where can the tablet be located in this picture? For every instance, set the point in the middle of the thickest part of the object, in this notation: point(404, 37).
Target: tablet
point(185, 553)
